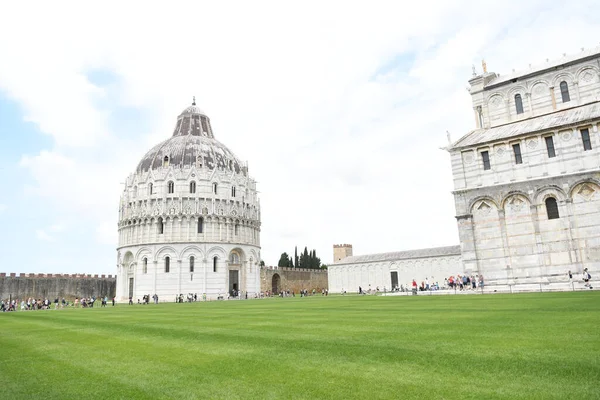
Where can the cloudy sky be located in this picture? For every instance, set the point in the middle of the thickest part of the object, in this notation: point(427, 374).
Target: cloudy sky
point(340, 109)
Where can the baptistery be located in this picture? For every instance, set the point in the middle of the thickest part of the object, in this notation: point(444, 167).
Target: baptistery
point(189, 219)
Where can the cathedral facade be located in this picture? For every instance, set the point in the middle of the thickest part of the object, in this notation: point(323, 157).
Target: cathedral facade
point(526, 184)
point(189, 218)
point(527, 179)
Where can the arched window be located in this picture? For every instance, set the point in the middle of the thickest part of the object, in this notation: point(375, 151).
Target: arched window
point(145, 262)
point(135, 191)
point(161, 226)
point(167, 264)
point(233, 191)
point(564, 92)
point(166, 161)
point(192, 187)
point(237, 229)
point(149, 188)
point(215, 187)
point(200, 225)
point(192, 264)
point(519, 103)
point(234, 258)
point(552, 208)
point(215, 264)
point(171, 186)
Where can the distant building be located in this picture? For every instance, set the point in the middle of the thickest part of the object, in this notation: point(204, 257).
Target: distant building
point(526, 180)
point(341, 251)
point(189, 218)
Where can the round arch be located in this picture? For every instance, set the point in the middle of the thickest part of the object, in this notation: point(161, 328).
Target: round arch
point(477, 199)
point(511, 194)
point(275, 283)
point(549, 191)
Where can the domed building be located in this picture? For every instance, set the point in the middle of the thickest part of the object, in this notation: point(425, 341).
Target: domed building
point(189, 218)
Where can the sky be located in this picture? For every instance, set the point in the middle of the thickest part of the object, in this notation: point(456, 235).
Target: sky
point(340, 109)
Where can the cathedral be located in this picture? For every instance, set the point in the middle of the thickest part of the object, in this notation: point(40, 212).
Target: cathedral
point(526, 185)
point(189, 218)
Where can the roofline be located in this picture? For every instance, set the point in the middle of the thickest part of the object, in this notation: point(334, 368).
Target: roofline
point(554, 127)
point(341, 262)
point(542, 71)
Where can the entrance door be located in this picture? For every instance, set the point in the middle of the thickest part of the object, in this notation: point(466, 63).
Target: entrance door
point(234, 283)
point(131, 287)
point(394, 276)
point(276, 283)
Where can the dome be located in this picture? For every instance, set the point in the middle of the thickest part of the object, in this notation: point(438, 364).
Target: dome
point(192, 143)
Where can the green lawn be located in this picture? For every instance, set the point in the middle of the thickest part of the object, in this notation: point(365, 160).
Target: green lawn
point(525, 346)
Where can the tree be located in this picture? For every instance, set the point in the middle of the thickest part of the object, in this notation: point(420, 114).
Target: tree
point(316, 260)
point(290, 263)
point(296, 256)
point(283, 260)
point(262, 263)
point(323, 266)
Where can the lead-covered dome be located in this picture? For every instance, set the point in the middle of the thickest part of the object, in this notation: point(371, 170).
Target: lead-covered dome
point(192, 143)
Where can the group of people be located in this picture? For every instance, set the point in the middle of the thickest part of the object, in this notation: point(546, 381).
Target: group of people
point(458, 282)
point(47, 304)
point(88, 302)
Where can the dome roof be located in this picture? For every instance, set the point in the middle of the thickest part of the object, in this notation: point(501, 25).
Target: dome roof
point(192, 143)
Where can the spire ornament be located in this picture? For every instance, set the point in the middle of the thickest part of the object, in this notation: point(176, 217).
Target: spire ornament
point(484, 66)
point(194, 100)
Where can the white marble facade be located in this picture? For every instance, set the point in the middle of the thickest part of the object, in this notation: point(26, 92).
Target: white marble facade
point(189, 219)
point(527, 179)
point(390, 270)
point(526, 184)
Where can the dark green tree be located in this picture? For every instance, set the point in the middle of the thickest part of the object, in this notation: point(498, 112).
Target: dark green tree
point(283, 260)
point(296, 256)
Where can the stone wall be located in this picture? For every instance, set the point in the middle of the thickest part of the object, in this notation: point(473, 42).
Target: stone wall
point(378, 273)
point(56, 285)
point(274, 279)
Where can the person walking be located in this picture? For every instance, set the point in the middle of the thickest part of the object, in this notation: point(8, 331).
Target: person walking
point(586, 278)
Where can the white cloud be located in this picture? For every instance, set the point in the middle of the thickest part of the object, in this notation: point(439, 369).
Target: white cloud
point(340, 108)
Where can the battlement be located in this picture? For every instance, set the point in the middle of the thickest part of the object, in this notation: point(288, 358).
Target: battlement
point(337, 246)
point(78, 276)
point(296, 269)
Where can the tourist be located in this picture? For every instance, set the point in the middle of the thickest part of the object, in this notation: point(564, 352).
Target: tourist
point(586, 278)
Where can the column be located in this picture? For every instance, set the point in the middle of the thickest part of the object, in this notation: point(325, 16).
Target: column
point(204, 267)
point(466, 233)
point(476, 114)
point(155, 269)
point(505, 245)
point(528, 95)
point(179, 268)
point(576, 84)
point(553, 96)
point(575, 252)
point(243, 283)
point(538, 238)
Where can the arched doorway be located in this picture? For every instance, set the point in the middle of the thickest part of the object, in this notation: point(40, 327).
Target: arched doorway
point(276, 282)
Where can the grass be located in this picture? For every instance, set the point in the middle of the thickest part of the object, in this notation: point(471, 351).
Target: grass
point(525, 346)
